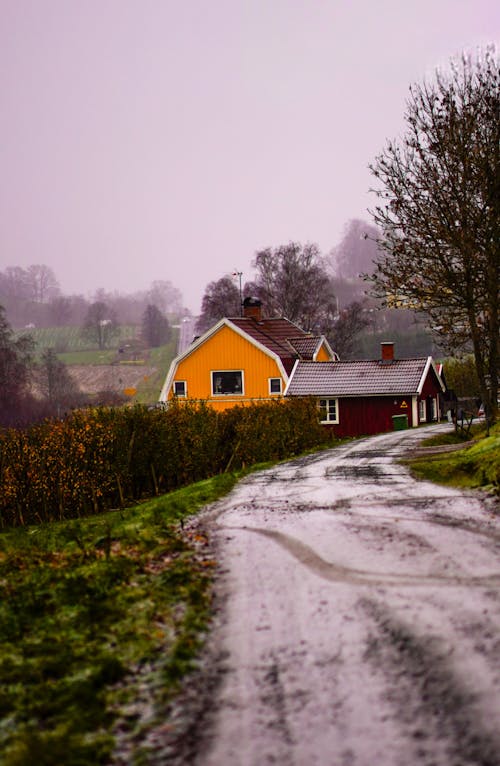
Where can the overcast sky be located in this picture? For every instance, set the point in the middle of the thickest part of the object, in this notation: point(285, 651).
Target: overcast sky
point(172, 139)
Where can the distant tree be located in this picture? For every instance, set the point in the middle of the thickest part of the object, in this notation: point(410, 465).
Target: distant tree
point(461, 376)
point(347, 328)
point(165, 297)
point(16, 357)
point(155, 327)
point(357, 251)
point(100, 324)
point(14, 283)
point(221, 299)
point(439, 213)
point(55, 383)
point(42, 283)
point(60, 310)
point(292, 282)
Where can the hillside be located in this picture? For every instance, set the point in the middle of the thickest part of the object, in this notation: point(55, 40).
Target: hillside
point(93, 378)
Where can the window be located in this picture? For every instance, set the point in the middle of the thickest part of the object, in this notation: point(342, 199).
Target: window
point(275, 385)
point(227, 382)
point(329, 409)
point(180, 388)
point(421, 410)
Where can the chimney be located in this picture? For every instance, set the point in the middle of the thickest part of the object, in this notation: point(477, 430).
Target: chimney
point(387, 352)
point(252, 308)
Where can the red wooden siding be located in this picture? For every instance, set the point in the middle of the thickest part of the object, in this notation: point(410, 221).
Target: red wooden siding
point(370, 415)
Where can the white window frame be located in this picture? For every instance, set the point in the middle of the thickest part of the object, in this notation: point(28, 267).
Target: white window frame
point(421, 410)
point(229, 393)
point(275, 393)
point(329, 420)
point(184, 384)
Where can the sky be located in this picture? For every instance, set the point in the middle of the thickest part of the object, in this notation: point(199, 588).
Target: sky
point(145, 140)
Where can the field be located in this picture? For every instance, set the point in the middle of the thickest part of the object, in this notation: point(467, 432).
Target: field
point(96, 370)
point(66, 339)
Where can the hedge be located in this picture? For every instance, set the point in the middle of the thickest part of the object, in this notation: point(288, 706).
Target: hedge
point(105, 458)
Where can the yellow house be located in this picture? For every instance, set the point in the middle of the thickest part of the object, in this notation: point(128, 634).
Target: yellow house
point(242, 360)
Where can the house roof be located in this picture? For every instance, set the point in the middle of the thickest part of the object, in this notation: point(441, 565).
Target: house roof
point(363, 378)
point(272, 333)
point(282, 337)
point(306, 348)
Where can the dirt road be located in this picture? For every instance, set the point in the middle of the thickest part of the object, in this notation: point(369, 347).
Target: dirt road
point(358, 620)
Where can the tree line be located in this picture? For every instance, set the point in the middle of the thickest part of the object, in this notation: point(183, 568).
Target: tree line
point(322, 294)
point(33, 297)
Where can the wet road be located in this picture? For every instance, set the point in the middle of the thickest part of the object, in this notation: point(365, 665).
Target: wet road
point(358, 620)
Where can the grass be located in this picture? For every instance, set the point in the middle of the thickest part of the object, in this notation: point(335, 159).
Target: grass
point(149, 391)
point(92, 614)
point(69, 339)
point(90, 356)
point(474, 466)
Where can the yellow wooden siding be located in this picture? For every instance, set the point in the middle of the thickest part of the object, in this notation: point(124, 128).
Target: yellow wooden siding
point(323, 355)
point(227, 350)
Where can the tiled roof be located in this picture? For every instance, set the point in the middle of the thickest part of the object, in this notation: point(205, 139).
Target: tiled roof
point(280, 336)
point(305, 347)
point(365, 378)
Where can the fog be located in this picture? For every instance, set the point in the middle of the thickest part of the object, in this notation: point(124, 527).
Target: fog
point(146, 140)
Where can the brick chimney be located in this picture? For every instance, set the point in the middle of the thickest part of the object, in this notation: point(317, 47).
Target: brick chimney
point(387, 352)
point(252, 308)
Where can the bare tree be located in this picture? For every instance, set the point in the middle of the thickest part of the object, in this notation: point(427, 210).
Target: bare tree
point(42, 282)
point(293, 282)
point(16, 356)
point(155, 327)
point(347, 328)
point(100, 324)
point(166, 297)
point(357, 251)
point(221, 299)
point(439, 213)
point(55, 383)
point(14, 283)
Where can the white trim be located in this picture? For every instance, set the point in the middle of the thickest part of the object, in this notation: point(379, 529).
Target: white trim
point(428, 365)
point(421, 411)
point(275, 393)
point(334, 356)
point(180, 396)
point(258, 345)
point(289, 380)
point(327, 421)
point(231, 393)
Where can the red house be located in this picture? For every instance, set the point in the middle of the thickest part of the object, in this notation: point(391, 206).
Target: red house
point(369, 397)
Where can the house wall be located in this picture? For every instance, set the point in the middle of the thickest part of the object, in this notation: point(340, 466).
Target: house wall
point(323, 355)
point(370, 415)
point(431, 389)
point(227, 350)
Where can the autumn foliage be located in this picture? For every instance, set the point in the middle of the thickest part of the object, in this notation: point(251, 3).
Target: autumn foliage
point(106, 458)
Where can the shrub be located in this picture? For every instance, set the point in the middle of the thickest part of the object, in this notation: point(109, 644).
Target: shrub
point(104, 457)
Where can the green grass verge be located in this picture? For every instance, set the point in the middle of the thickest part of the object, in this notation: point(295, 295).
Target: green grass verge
point(92, 614)
point(106, 356)
point(148, 392)
point(473, 466)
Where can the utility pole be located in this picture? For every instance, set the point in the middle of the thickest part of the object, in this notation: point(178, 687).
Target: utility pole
point(239, 274)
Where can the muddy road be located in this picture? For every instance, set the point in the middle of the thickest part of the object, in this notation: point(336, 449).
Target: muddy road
point(358, 619)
